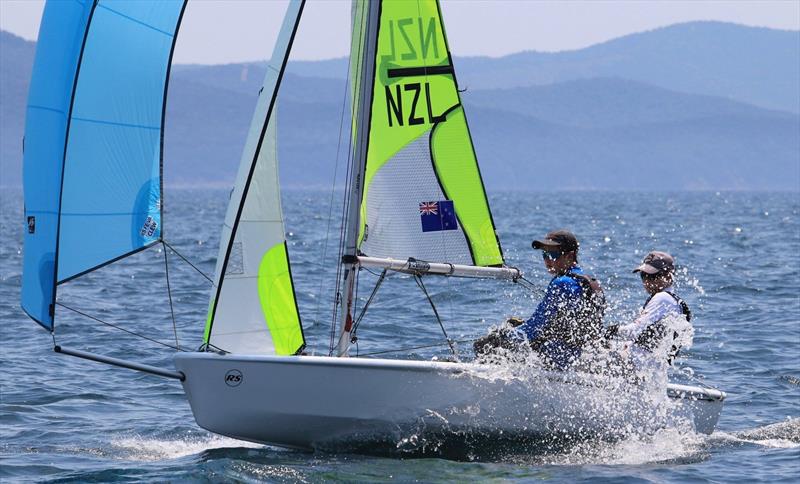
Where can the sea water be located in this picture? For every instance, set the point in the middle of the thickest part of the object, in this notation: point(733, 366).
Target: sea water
point(66, 419)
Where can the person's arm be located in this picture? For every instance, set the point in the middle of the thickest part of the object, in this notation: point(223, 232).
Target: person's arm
point(557, 294)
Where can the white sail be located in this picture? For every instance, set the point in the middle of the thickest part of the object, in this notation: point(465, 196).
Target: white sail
point(253, 308)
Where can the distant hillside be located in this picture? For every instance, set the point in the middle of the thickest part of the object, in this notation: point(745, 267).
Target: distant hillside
point(586, 116)
point(611, 102)
point(207, 126)
point(16, 62)
point(758, 66)
point(720, 152)
point(600, 133)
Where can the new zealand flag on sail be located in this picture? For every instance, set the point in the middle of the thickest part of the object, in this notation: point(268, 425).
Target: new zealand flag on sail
point(437, 216)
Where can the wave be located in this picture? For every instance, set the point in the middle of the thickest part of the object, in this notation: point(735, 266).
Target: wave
point(141, 448)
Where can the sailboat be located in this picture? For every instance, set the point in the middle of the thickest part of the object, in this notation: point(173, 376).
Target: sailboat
point(415, 204)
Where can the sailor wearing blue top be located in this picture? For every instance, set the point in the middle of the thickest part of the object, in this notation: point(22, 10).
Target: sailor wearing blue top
point(570, 314)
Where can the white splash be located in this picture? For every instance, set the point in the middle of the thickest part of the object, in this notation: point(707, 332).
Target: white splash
point(780, 435)
point(139, 448)
point(664, 446)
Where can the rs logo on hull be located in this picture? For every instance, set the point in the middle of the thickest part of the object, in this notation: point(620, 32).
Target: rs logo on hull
point(233, 378)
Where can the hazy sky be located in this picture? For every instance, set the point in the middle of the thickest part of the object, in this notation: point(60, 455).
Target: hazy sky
point(216, 31)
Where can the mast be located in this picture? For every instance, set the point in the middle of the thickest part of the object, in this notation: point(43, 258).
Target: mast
point(366, 78)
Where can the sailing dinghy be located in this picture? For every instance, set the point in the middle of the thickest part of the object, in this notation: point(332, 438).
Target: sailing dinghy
point(415, 204)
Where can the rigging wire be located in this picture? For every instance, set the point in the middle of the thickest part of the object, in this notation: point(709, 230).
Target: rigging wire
point(330, 202)
point(412, 348)
point(187, 261)
point(139, 335)
point(169, 294)
point(418, 280)
point(525, 283)
point(348, 183)
point(177, 345)
point(442, 239)
point(529, 285)
point(366, 305)
point(338, 291)
point(342, 227)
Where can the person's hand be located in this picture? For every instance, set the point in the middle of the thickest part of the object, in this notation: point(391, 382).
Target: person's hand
point(514, 321)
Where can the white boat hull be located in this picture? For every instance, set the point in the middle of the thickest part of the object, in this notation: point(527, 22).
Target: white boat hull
point(313, 402)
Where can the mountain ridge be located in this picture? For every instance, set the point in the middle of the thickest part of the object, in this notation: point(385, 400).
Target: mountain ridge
point(605, 128)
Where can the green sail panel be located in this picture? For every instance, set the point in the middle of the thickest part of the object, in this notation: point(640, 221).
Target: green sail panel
point(252, 309)
point(423, 195)
point(278, 304)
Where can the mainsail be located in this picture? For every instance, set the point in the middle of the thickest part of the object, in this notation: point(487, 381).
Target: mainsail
point(416, 198)
point(423, 196)
point(253, 308)
point(93, 140)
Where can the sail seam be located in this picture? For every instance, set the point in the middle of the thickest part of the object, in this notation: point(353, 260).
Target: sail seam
point(92, 214)
point(262, 221)
point(45, 108)
point(115, 123)
point(137, 21)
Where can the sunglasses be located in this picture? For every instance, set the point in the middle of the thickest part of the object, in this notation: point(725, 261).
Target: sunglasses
point(551, 254)
point(647, 276)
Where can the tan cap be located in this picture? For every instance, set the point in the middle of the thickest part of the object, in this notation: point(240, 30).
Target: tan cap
point(657, 262)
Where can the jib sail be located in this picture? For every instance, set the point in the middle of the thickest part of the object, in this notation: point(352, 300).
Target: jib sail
point(253, 308)
point(423, 195)
point(93, 140)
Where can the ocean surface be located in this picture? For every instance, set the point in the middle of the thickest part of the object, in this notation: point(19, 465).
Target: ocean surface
point(65, 419)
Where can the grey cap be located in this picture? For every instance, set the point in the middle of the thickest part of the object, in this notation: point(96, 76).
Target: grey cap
point(657, 262)
point(562, 240)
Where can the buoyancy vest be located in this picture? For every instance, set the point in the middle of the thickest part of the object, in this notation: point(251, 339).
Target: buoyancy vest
point(583, 324)
point(652, 335)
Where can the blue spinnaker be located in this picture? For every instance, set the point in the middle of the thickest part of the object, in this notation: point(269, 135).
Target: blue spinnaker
point(93, 139)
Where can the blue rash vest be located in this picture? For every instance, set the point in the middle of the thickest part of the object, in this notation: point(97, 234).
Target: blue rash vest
point(564, 294)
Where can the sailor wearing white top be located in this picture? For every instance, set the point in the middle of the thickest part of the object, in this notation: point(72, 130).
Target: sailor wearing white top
point(660, 305)
point(662, 327)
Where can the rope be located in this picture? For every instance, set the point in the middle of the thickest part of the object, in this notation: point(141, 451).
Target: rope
point(528, 285)
point(418, 280)
point(187, 261)
point(116, 327)
point(169, 294)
